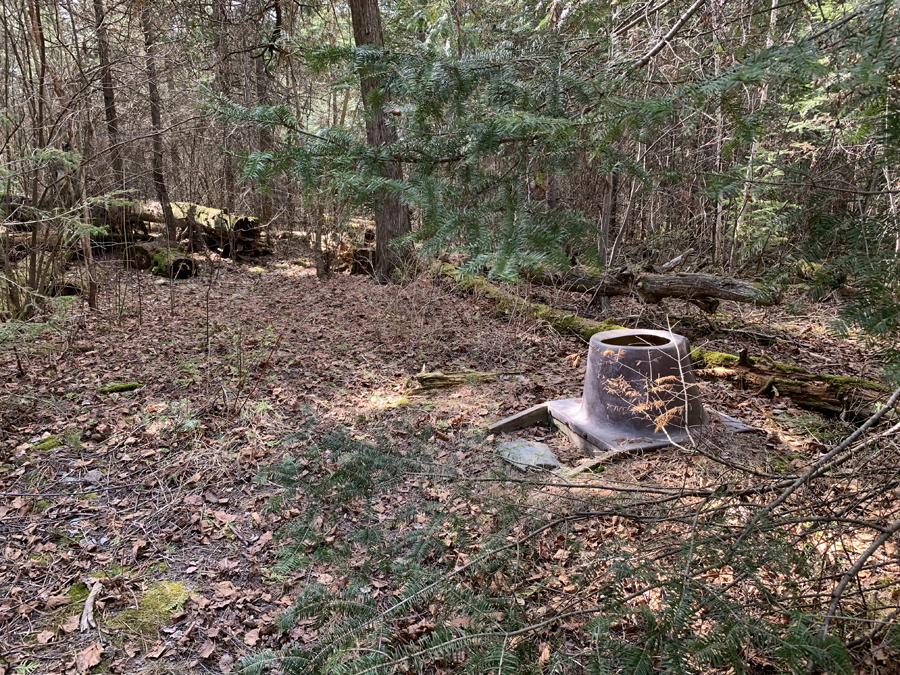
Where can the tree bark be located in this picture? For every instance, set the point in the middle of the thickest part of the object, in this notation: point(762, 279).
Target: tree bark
point(703, 290)
point(391, 216)
point(159, 181)
point(222, 84)
point(109, 95)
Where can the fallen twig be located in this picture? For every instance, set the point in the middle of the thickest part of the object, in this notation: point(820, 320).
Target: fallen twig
point(87, 615)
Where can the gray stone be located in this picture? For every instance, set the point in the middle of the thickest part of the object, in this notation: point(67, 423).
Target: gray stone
point(523, 454)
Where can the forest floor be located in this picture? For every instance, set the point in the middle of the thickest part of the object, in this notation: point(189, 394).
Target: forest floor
point(152, 497)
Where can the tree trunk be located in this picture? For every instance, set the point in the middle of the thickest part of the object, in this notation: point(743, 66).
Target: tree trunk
point(159, 181)
point(109, 95)
point(391, 216)
point(222, 85)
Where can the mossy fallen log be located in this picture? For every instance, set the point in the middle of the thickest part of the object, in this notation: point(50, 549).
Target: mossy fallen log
point(831, 394)
point(161, 257)
point(507, 304)
point(231, 236)
point(173, 264)
point(119, 387)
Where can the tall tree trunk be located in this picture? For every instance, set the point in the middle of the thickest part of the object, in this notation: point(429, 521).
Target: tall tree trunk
point(109, 94)
point(391, 216)
point(159, 181)
point(265, 139)
point(223, 86)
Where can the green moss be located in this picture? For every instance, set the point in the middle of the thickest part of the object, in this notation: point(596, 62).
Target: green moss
point(41, 505)
point(778, 365)
point(118, 387)
point(712, 359)
point(840, 382)
point(47, 444)
point(781, 465)
point(78, 592)
point(154, 609)
point(507, 303)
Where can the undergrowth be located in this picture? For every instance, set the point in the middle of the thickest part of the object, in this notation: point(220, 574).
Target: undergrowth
point(493, 575)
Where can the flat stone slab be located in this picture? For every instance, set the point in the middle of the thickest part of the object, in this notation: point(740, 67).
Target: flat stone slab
point(524, 454)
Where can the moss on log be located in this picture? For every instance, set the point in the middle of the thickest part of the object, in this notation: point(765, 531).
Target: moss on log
point(509, 304)
point(173, 264)
point(831, 394)
point(119, 387)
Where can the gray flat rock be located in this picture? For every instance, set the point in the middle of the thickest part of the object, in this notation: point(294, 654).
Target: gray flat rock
point(523, 454)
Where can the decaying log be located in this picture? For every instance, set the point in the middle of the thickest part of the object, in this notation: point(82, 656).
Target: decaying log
point(229, 235)
point(824, 393)
point(507, 304)
point(162, 258)
point(173, 264)
point(820, 392)
point(703, 290)
point(422, 382)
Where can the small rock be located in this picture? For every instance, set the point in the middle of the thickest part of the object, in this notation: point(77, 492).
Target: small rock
point(523, 454)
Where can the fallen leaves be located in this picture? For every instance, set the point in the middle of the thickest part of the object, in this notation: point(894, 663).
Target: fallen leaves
point(226, 663)
point(251, 637)
point(86, 659)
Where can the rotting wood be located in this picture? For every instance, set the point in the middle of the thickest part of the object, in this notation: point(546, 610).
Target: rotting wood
point(162, 258)
point(173, 264)
point(831, 394)
point(703, 290)
point(422, 382)
point(232, 236)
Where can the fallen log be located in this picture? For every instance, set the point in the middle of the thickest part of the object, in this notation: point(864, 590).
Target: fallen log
point(703, 290)
point(228, 235)
point(162, 258)
point(830, 394)
point(173, 264)
point(422, 382)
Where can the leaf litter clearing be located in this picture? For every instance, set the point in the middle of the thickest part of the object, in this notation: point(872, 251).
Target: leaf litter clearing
point(154, 488)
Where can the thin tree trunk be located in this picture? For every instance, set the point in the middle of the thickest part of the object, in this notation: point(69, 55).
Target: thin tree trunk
point(109, 95)
point(754, 147)
point(391, 216)
point(223, 86)
point(159, 181)
point(265, 135)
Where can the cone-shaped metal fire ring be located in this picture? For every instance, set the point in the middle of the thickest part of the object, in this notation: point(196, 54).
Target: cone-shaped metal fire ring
point(639, 393)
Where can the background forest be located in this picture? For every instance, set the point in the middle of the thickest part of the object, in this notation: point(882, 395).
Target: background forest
point(554, 157)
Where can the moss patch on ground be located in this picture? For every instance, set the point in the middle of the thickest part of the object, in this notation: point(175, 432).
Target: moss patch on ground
point(47, 444)
point(154, 610)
